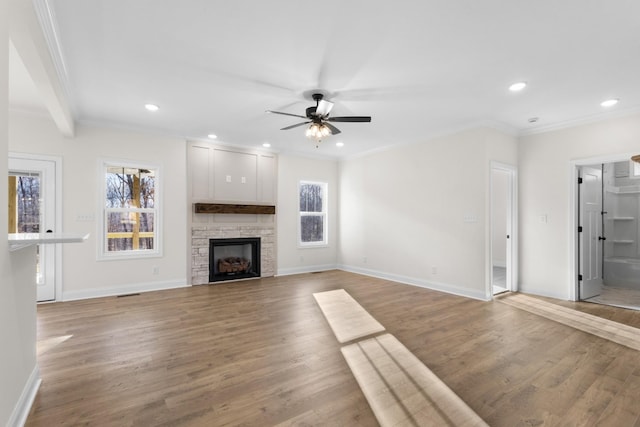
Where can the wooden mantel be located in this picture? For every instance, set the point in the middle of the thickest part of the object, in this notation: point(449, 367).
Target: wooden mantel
point(226, 208)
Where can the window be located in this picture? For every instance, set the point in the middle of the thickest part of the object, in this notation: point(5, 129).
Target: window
point(131, 211)
point(313, 214)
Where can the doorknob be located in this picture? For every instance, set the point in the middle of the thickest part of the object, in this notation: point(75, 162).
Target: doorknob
point(507, 236)
point(602, 238)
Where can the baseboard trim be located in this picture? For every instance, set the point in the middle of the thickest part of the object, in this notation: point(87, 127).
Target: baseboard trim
point(436, 286)
point(305, 269)
point(125, 289)
point(23, 406)
point(542, 292)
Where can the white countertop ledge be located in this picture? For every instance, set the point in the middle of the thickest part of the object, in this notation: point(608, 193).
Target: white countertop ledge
point(21, 240)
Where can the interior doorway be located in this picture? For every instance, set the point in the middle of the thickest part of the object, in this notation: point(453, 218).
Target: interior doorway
point(503, 228)
point(33, 208)
point(608, 232)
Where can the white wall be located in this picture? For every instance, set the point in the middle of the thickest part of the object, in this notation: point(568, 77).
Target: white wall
point(402, 211)
point(291, 258)
point(544, 188)
point(19, 377)
point(83, 276)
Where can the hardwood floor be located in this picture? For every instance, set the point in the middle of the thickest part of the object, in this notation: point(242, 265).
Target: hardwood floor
point(628, 336)
point(260, 353)
point(618, 297)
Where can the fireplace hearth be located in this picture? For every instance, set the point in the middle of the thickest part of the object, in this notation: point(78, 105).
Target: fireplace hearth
point(233, 259)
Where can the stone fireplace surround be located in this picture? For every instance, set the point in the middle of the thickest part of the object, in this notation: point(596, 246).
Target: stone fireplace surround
point(201, 233)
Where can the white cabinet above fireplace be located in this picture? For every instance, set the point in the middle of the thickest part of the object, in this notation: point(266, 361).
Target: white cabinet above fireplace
point(231, 174)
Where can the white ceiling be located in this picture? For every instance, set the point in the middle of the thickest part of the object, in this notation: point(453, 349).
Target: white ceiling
point(419, 68)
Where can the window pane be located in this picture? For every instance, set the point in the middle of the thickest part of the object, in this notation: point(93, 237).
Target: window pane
point(311, 228)
point(147, 190)
point(127, 231)
point(28, 194)
point(128, 187)
point(310, 198)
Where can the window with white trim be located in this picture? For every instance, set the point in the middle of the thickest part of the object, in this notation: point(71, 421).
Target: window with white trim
point(312, 229)
point(131, 216)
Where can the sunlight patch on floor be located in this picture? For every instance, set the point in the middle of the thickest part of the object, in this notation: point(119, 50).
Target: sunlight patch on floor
point(603, 328)
point(399, 388)
point(48, 343)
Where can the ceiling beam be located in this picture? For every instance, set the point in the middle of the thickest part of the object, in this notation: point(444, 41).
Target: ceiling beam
point(28, 38)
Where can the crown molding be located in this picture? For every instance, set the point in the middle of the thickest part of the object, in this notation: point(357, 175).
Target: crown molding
point(585, 120)
point(47, 20)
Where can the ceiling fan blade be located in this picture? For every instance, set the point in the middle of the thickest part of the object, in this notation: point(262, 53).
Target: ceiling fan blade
point(350, 119)
point(334, 130)
point(295, 126)
point(324, 107)
point(285, 114)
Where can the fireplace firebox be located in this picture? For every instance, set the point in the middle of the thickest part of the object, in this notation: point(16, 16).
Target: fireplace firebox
point(232, 259)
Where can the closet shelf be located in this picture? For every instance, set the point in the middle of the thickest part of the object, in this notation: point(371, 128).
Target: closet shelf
point(631, 189)
point(625, 242)
point(622, 218)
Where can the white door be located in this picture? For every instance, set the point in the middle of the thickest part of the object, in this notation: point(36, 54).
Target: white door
point(500, 230)
point(34, 210)
point(591, 235)
point(503, 228)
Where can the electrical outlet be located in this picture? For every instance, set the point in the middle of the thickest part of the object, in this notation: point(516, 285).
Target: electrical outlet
point(364, 259)
point(156, 269)
point(243, 180)
point(470, 218)
point(434, 270)
point(228, 178)
point(85, 217)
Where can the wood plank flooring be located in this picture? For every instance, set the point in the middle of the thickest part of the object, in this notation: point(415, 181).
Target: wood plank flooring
point(260, 353)
point(401, 390)
point(604, 328)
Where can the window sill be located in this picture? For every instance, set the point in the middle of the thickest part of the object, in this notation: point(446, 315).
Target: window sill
point(129, 256)
point(313, 246)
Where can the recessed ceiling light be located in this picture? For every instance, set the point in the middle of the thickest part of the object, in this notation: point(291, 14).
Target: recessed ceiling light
point(516, 87)
point(609, 102)
point(212, 136)
point(151, 107)
point(266, 145)
point(339, 144)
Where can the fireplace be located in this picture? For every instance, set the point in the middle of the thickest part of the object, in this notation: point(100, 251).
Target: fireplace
point(232, 259)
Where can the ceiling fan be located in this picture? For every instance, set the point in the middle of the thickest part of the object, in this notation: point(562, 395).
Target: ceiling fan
point(318, 116)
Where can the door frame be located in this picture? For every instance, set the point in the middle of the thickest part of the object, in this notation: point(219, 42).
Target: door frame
point(57, 161)
point(574, 210)
point(512, 219)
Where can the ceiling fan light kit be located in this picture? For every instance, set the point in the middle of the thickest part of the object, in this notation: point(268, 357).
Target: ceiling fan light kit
point(317, 131)
point(318, 117)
